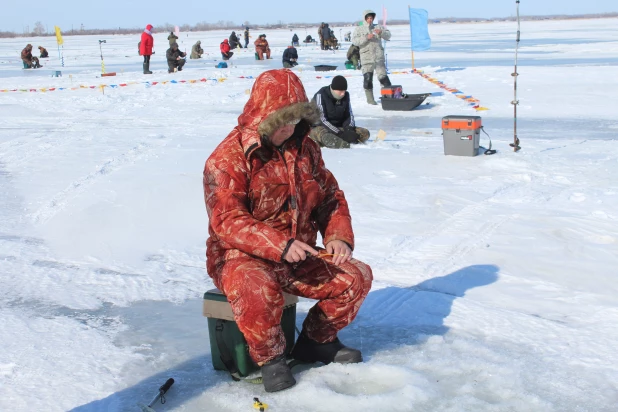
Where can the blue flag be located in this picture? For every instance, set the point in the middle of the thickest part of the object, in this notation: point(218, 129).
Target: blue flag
point(419, 30)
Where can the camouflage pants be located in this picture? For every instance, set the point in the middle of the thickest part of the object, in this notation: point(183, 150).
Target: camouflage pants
point(260, 51)
point(378, 67)
point(325, 138)
point(175, 64)
point(331, 44)
point(254, 289)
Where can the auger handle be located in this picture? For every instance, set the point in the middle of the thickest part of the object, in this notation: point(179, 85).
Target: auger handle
point(165, 387)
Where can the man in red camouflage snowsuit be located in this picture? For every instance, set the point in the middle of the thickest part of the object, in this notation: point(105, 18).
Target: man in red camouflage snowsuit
point(267, 193)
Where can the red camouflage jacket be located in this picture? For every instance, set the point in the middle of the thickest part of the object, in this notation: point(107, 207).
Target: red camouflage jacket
point(261, 43)
point(257, 198)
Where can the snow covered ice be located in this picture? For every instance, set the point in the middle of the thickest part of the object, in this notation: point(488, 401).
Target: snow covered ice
point(495, 276)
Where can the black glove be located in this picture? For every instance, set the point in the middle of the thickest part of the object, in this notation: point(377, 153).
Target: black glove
point(350, 136)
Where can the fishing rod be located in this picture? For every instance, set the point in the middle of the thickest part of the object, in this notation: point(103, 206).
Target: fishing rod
point(515, 102)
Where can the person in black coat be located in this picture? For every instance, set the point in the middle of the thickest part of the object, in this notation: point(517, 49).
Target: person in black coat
point(290, 55)
point(326, 37)
point(234, 40)
point(337, 128)
point(295, 40)
point(174, 58)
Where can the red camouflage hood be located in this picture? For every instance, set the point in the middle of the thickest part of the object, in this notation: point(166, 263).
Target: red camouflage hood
point(271, 91)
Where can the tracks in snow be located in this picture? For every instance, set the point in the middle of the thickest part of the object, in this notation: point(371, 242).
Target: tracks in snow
point(441, 249)
point(61, 199)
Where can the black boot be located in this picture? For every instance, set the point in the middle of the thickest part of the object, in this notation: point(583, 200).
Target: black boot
point(385, 81)
point(276, 375)
point(147, 68)
point(307, 350)
point(368, 80)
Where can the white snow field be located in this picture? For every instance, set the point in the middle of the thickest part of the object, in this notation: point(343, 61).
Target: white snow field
point(496, 283)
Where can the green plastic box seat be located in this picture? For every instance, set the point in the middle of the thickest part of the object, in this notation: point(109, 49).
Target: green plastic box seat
point(216, 307)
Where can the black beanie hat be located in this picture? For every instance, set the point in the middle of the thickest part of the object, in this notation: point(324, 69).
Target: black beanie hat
point(339, 83)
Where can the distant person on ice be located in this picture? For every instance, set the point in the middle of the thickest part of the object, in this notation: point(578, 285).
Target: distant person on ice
point(261, 47)
point(337, 129)
point(226, 54)
point(325, 37)
point(175, 58)
point(145, 47)
point(234, 40)
point(368, 37)
point(172, 38)
point(295, 40)
point(247, 37)
point(197, 51)
point(30, 61)
point(263, 225)
point(43, 52)
point(290, 55)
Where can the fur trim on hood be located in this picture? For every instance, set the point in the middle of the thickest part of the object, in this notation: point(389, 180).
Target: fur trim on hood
point(297, 111)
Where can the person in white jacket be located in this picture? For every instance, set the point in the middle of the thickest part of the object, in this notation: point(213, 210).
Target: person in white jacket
point(368, 37)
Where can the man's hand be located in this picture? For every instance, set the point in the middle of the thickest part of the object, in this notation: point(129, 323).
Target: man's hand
point(370, 36)
point(341, 251)
point(377, 31)
point(297, 252)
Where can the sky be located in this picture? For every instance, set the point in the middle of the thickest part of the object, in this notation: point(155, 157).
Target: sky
point(73, 13)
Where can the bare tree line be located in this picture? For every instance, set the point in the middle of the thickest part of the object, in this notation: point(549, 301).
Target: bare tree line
point(41, 30)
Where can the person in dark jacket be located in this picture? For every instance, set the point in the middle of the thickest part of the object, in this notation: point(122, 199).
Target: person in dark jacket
point(226, 54)
point(43, 52)
point(295, 40)
point(146, 46)
point(290, 55)
point(326, 37)
point(30, 61)
point(320, 35)
point(175, 58)
point(172, 38)
point(333, 42)
point(337, 128)
point(247, 37)
point(233, 40)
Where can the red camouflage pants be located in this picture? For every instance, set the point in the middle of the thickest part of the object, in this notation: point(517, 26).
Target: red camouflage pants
point(254, 289)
